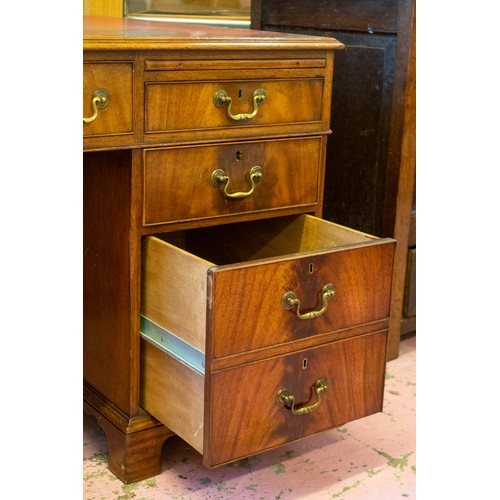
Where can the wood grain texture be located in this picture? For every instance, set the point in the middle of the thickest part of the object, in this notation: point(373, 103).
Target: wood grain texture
point(262, 261)
point(109, 291)
point(150, 177)
point(134, 444)
point(286, 102)
point(113, 8)
point(364, 154)
point(246, 309)
point(361, 119)
point(410, 302)
point(119, 125)
point(243, 415)
point(174, 290)
point(404, 202)
point(111, 33)
point(117, 79)
point(173, 393)
point(136, 456)
point(355, 15)
point(291, 176)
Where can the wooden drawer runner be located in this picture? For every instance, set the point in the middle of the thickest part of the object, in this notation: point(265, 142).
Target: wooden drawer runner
point(265, 175)
point(225, 290)
point(192, 106)
point(229, 414)
point(115, 78)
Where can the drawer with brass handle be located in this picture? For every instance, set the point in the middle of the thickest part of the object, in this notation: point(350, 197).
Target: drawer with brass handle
point(233, 178)
point(230, 108)
point(239, 288)
point(107, 102)
point(233, 413)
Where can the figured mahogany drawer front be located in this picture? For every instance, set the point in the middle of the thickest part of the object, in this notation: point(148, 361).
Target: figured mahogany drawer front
point(258, 406)
point(221, 105)
point(107, 99)
point(228, 179)
point(241, 287)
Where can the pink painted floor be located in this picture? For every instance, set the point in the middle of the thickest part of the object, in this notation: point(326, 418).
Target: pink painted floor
point(369, 459)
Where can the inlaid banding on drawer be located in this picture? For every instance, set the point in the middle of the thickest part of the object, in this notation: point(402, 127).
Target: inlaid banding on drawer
point(208, 176)
point(210, 65)
point(182, 106)
point(116, 80)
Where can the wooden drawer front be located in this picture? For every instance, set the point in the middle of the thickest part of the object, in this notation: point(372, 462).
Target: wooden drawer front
point(237, 306)
point(189, 106)
point(241, 415)
point(290, 176)
point(117, 79)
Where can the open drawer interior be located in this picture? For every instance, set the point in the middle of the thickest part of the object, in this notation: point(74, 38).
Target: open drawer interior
point(204, 284)
point(247, 241)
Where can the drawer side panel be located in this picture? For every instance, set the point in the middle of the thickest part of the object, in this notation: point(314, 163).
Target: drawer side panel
point(174, 290)
point(173, 393)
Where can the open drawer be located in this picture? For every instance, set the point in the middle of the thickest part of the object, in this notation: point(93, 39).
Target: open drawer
point(236, 288)
point(259, 333)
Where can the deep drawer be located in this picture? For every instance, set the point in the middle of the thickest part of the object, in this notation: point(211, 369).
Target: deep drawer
point(241, 287)
point(230, 179)
point(111, 84)
point(229, 414)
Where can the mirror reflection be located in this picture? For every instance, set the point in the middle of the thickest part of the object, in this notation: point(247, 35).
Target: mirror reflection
point(221, 12)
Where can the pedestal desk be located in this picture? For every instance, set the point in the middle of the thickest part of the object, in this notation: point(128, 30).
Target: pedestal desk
point(218, 305)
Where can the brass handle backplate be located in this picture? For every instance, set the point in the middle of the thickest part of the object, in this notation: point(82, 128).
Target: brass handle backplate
point(221, 98)
point(219, 177)
point(287, 399)
point(100, 100)
point(290, 300)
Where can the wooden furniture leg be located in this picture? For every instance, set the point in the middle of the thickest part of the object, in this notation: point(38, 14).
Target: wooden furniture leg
point(135, 444)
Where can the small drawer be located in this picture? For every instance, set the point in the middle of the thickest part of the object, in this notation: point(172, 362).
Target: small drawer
point(107, 99)
point(241, 287)
point(229, 179)
point(230, 414)
point(215, 108)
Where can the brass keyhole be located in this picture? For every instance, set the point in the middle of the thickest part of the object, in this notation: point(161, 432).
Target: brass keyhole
point(239, 155)
point(304, 363)
point(311, 268)
point(239, 93)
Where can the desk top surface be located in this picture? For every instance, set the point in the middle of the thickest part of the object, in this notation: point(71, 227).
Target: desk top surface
point(113, 33)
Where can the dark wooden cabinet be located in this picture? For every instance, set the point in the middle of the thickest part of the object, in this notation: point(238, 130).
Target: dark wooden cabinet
point(370, 165)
